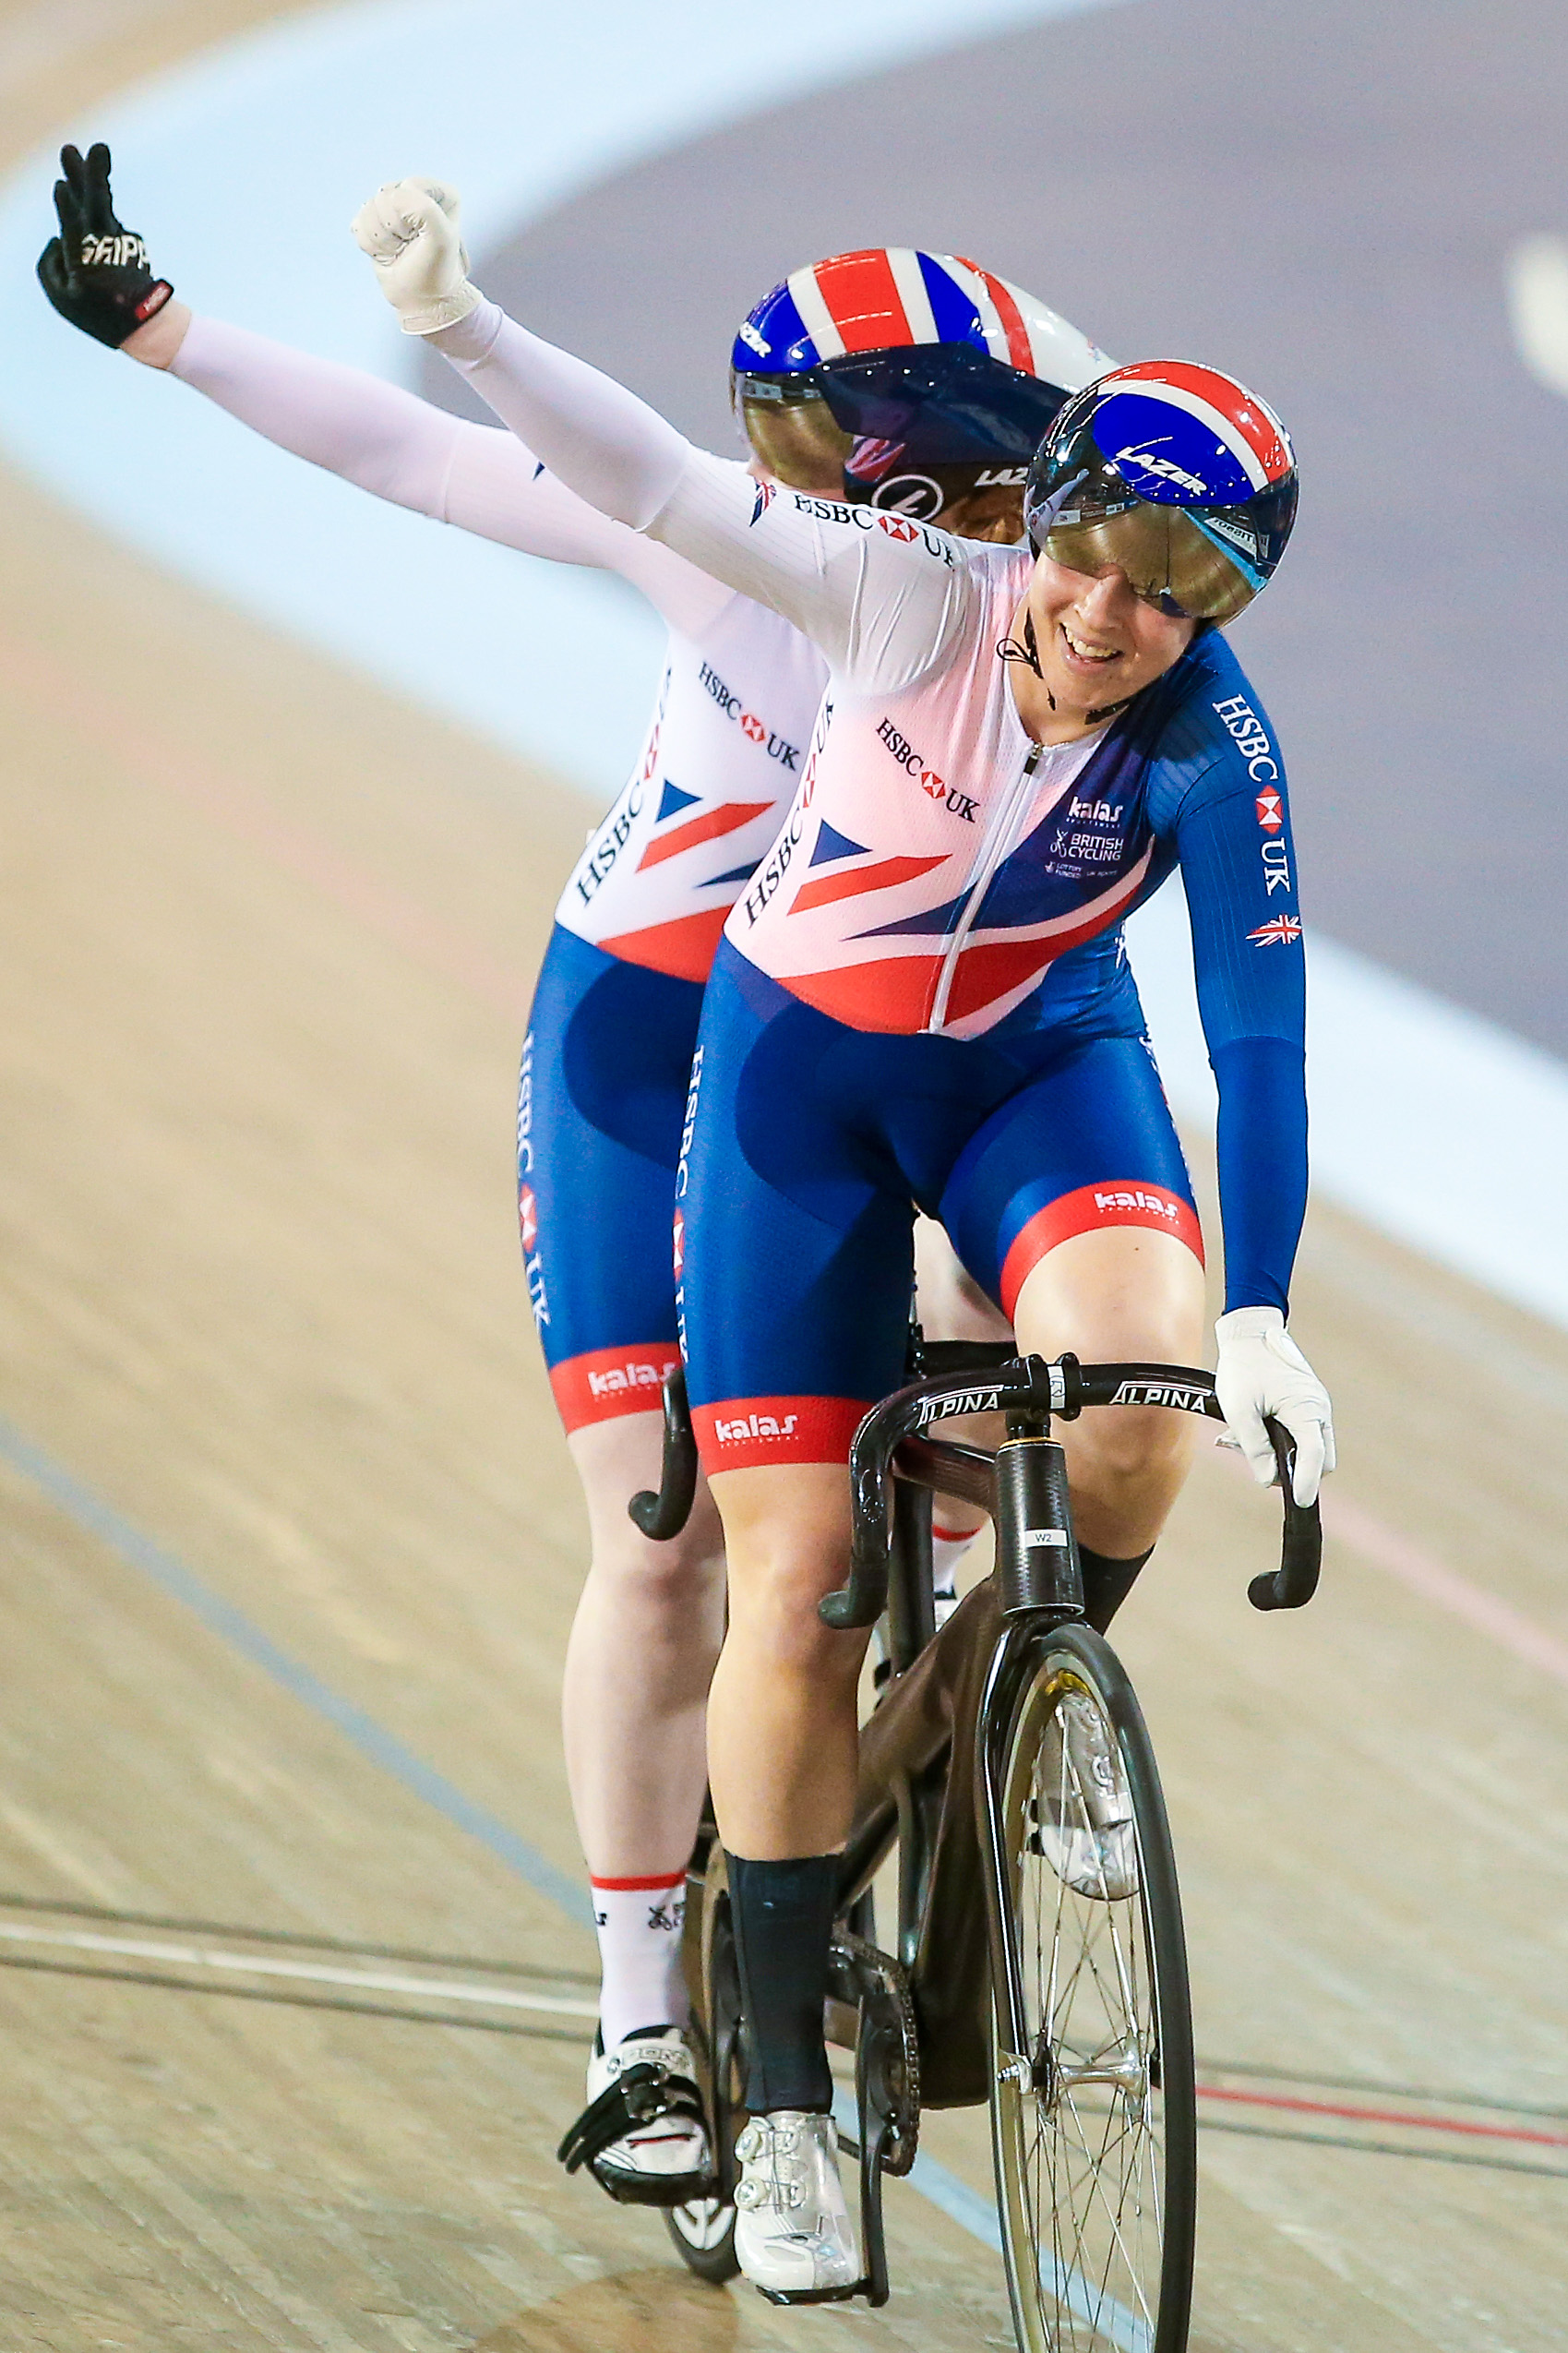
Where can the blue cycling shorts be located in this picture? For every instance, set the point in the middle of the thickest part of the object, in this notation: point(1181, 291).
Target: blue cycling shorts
point(601, 1102)
point(811, 1143)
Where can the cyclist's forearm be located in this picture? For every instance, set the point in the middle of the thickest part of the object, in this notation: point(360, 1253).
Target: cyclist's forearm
point(598, 438)
point(369, 432)
point(1262, 1147)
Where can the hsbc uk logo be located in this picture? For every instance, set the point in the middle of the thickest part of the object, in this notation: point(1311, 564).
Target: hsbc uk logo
point(754, 729)
point(532, 1256)
point(934, 786)
point(1243, 722)
point(1271, 812)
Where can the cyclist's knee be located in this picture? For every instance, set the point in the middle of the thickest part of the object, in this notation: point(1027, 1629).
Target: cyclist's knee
point(1146, 1444)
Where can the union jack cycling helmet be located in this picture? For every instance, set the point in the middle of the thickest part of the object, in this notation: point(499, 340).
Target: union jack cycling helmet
point(902, 379)
point(1179, 476)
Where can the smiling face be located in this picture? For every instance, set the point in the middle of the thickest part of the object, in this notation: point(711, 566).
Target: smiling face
point(1099, 644)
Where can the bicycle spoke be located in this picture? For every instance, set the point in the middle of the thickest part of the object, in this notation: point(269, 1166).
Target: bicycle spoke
point(1086, 2152)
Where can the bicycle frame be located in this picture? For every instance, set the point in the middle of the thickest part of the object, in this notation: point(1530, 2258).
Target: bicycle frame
point(930, 1763)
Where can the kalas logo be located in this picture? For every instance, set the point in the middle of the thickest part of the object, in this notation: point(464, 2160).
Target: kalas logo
point(1271, 814)
point(1278, 932)
point(616, 1379)
point(1135, 1198)
point(754, 1425)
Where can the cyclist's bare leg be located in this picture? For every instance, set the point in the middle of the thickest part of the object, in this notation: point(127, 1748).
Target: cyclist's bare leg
point(643, 1643)
point(951, 1306)
point(782, 1737)
point(1121, 1294)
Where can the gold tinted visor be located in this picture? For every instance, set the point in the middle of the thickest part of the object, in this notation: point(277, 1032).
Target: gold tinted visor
point(795, 437)
point(1170, 560)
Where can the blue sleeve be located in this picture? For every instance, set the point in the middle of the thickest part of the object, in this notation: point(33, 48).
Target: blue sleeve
point(1232, 836)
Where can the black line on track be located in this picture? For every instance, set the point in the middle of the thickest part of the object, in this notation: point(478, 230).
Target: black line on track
point(290, 1937)
point(1381, 2148)
point(291, 2001)
point(1365, 2083)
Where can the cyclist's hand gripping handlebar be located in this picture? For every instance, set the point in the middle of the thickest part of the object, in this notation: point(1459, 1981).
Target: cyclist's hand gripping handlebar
point(1294, 1583)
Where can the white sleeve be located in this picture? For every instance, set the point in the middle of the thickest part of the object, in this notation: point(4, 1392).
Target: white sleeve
point(880, 596)
point(412, 454)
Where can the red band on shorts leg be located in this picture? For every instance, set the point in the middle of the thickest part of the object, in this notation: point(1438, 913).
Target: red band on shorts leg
point(604, 1382)
point(1124, 1201)
point(747, 1432)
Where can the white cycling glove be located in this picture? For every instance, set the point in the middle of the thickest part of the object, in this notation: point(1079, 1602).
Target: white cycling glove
point(1261, 1370)
point(410, 230)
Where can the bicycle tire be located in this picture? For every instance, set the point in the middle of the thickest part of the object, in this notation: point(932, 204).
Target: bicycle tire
point(1096, 2154)
point(702, 2231)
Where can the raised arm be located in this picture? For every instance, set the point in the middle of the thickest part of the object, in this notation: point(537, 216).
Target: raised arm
point(879, 597)
point(353, 425)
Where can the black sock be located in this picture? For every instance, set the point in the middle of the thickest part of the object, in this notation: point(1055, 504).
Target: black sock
point(1106, 1584)
point(783, 1917)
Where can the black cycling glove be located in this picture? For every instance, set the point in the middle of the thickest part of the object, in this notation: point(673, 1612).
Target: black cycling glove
point(94, 272)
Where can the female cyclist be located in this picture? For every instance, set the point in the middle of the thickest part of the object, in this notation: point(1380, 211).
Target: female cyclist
point(980, 371)
point(922, 998)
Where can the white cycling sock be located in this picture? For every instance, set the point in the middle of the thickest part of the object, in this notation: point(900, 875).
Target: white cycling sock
point(639, 1923)
point(948, 1549)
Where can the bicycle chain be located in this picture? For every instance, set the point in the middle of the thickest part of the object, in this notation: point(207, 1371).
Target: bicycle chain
point(870, 1969)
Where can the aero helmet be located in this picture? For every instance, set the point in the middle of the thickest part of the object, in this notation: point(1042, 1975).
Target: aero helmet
point(902, 379)
point(1177, 474)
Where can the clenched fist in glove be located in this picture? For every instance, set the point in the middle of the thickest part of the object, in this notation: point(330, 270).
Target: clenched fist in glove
point(410, 230)
point(95, 272)
point(1262, 1370)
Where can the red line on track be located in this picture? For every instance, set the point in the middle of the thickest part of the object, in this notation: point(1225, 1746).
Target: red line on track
point(1385, 2115)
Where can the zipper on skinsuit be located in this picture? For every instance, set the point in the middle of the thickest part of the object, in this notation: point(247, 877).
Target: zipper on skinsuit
point(990, 859)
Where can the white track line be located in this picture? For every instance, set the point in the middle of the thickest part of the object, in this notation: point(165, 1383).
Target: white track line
point(249, 1965)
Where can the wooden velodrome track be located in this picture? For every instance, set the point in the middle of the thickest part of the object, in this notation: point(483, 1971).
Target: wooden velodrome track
point(267, 940)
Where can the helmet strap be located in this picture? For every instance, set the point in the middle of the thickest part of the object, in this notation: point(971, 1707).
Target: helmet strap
point(1009, 650)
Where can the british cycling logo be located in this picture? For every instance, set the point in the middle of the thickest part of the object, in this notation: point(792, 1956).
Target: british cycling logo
point(754, 1425)
point(1243, 722)
point(762, 502)
point(913, 764)
point(1278, 932)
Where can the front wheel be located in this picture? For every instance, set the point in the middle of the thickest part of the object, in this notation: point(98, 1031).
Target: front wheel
point(1094, 2125)
point(703, 2232)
